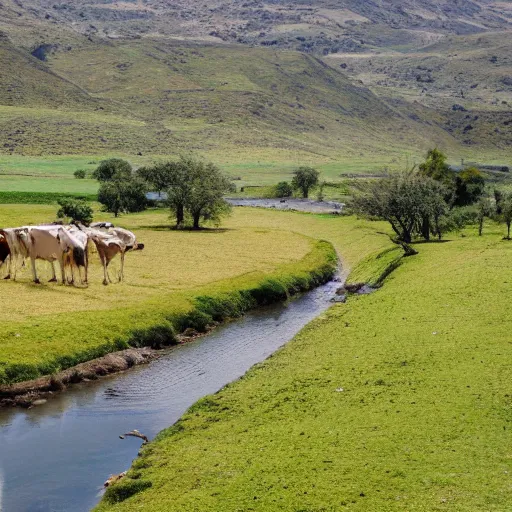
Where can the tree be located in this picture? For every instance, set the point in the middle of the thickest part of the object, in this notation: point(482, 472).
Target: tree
point(469, 186)
point(435, 166)
point(180, 187)
point(123, 196)
point(406, 200)
point(80, 174)
point(160, 176)
point(76, 210)
point(483, 210)
point(207, 186)
point(283, 189)
point(112, 168)
point(505, 211)
point(304, 179)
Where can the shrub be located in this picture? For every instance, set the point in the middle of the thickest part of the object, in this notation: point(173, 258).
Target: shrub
point(76, 210)
point(80, 174)
point(283, 189)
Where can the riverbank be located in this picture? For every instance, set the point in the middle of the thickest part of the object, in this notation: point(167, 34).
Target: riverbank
point(396, 400)
point(50, 328)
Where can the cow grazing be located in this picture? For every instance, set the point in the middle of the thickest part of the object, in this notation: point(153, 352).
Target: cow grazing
point(101, 225)
point(108, 246)
point(17, 250)
point(74, 244)
point(5, 252)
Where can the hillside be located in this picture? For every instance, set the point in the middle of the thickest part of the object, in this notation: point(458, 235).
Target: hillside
point(318, 26)
point(160, 97)
point(466, 79)
point(225, 81)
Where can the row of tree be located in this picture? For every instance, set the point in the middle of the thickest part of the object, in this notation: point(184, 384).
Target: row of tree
point(432, 200)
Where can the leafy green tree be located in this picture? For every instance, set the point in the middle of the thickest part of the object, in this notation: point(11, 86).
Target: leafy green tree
point(505, 211)
point(304, 179)
point(204, 200)
point(469, 186)
point(283, 189)
point(483, 209)
point(405, 200)
point(80, 174)
point(159, 177)
point(123, 196)
point(435, 166)
point(76, 210)
point(112, 168)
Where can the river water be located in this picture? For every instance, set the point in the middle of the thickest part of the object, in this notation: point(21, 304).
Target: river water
point(55, 457)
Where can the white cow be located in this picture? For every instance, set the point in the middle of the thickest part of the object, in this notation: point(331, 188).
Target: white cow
point(45, 245)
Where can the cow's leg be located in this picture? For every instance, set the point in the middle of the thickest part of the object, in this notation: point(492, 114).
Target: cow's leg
point(86, 264)
point(34, 272)
point(8, 276)
point(104, 263)
point(62, 269)
point(54, 276)
point(121, 272)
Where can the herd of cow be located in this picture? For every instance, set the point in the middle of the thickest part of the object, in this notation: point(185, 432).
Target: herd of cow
point(67, 244)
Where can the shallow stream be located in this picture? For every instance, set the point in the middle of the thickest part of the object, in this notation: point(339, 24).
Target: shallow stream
point(56, 456)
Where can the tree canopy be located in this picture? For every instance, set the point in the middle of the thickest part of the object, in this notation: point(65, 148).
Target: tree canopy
point(406, 200)
point(112, 168)
point(123, 196)
point(304, 179)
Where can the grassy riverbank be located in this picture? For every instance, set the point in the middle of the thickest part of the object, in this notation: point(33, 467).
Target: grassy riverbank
point(181, 280)
point(397, 400)
point(258, 256)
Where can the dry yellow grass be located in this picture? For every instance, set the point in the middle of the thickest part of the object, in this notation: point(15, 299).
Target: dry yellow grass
point(171, 260)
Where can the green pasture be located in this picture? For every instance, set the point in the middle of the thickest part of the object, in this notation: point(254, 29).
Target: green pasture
point(394, 401)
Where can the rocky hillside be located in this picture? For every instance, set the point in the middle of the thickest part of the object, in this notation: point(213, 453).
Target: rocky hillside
point(321, 26)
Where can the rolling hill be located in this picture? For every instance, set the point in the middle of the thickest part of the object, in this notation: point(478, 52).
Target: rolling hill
point(371, 81)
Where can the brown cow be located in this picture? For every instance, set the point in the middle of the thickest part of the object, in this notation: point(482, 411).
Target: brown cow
point(5, 252)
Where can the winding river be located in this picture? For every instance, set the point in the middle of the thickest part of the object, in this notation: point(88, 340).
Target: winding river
point(56, 456)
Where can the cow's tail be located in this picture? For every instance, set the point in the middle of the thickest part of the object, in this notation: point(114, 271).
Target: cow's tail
point(79, 256)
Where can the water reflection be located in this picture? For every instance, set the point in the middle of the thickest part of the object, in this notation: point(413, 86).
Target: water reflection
point(55, 457)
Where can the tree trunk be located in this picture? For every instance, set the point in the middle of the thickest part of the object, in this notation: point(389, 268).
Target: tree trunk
point(480, 226)
point(406, 237)
point(425, 228)
point(180, 215)
point(508, 230)
point(196, 218)
point(305, 192)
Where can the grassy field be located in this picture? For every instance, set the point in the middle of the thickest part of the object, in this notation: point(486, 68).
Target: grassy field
point(257, 255)
point(394, 401)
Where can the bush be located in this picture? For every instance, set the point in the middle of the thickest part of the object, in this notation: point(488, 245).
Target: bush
point(76, 210)
point(80, 174)
point(283, 189)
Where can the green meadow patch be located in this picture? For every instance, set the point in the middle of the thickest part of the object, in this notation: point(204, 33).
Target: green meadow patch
point(394, 401)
